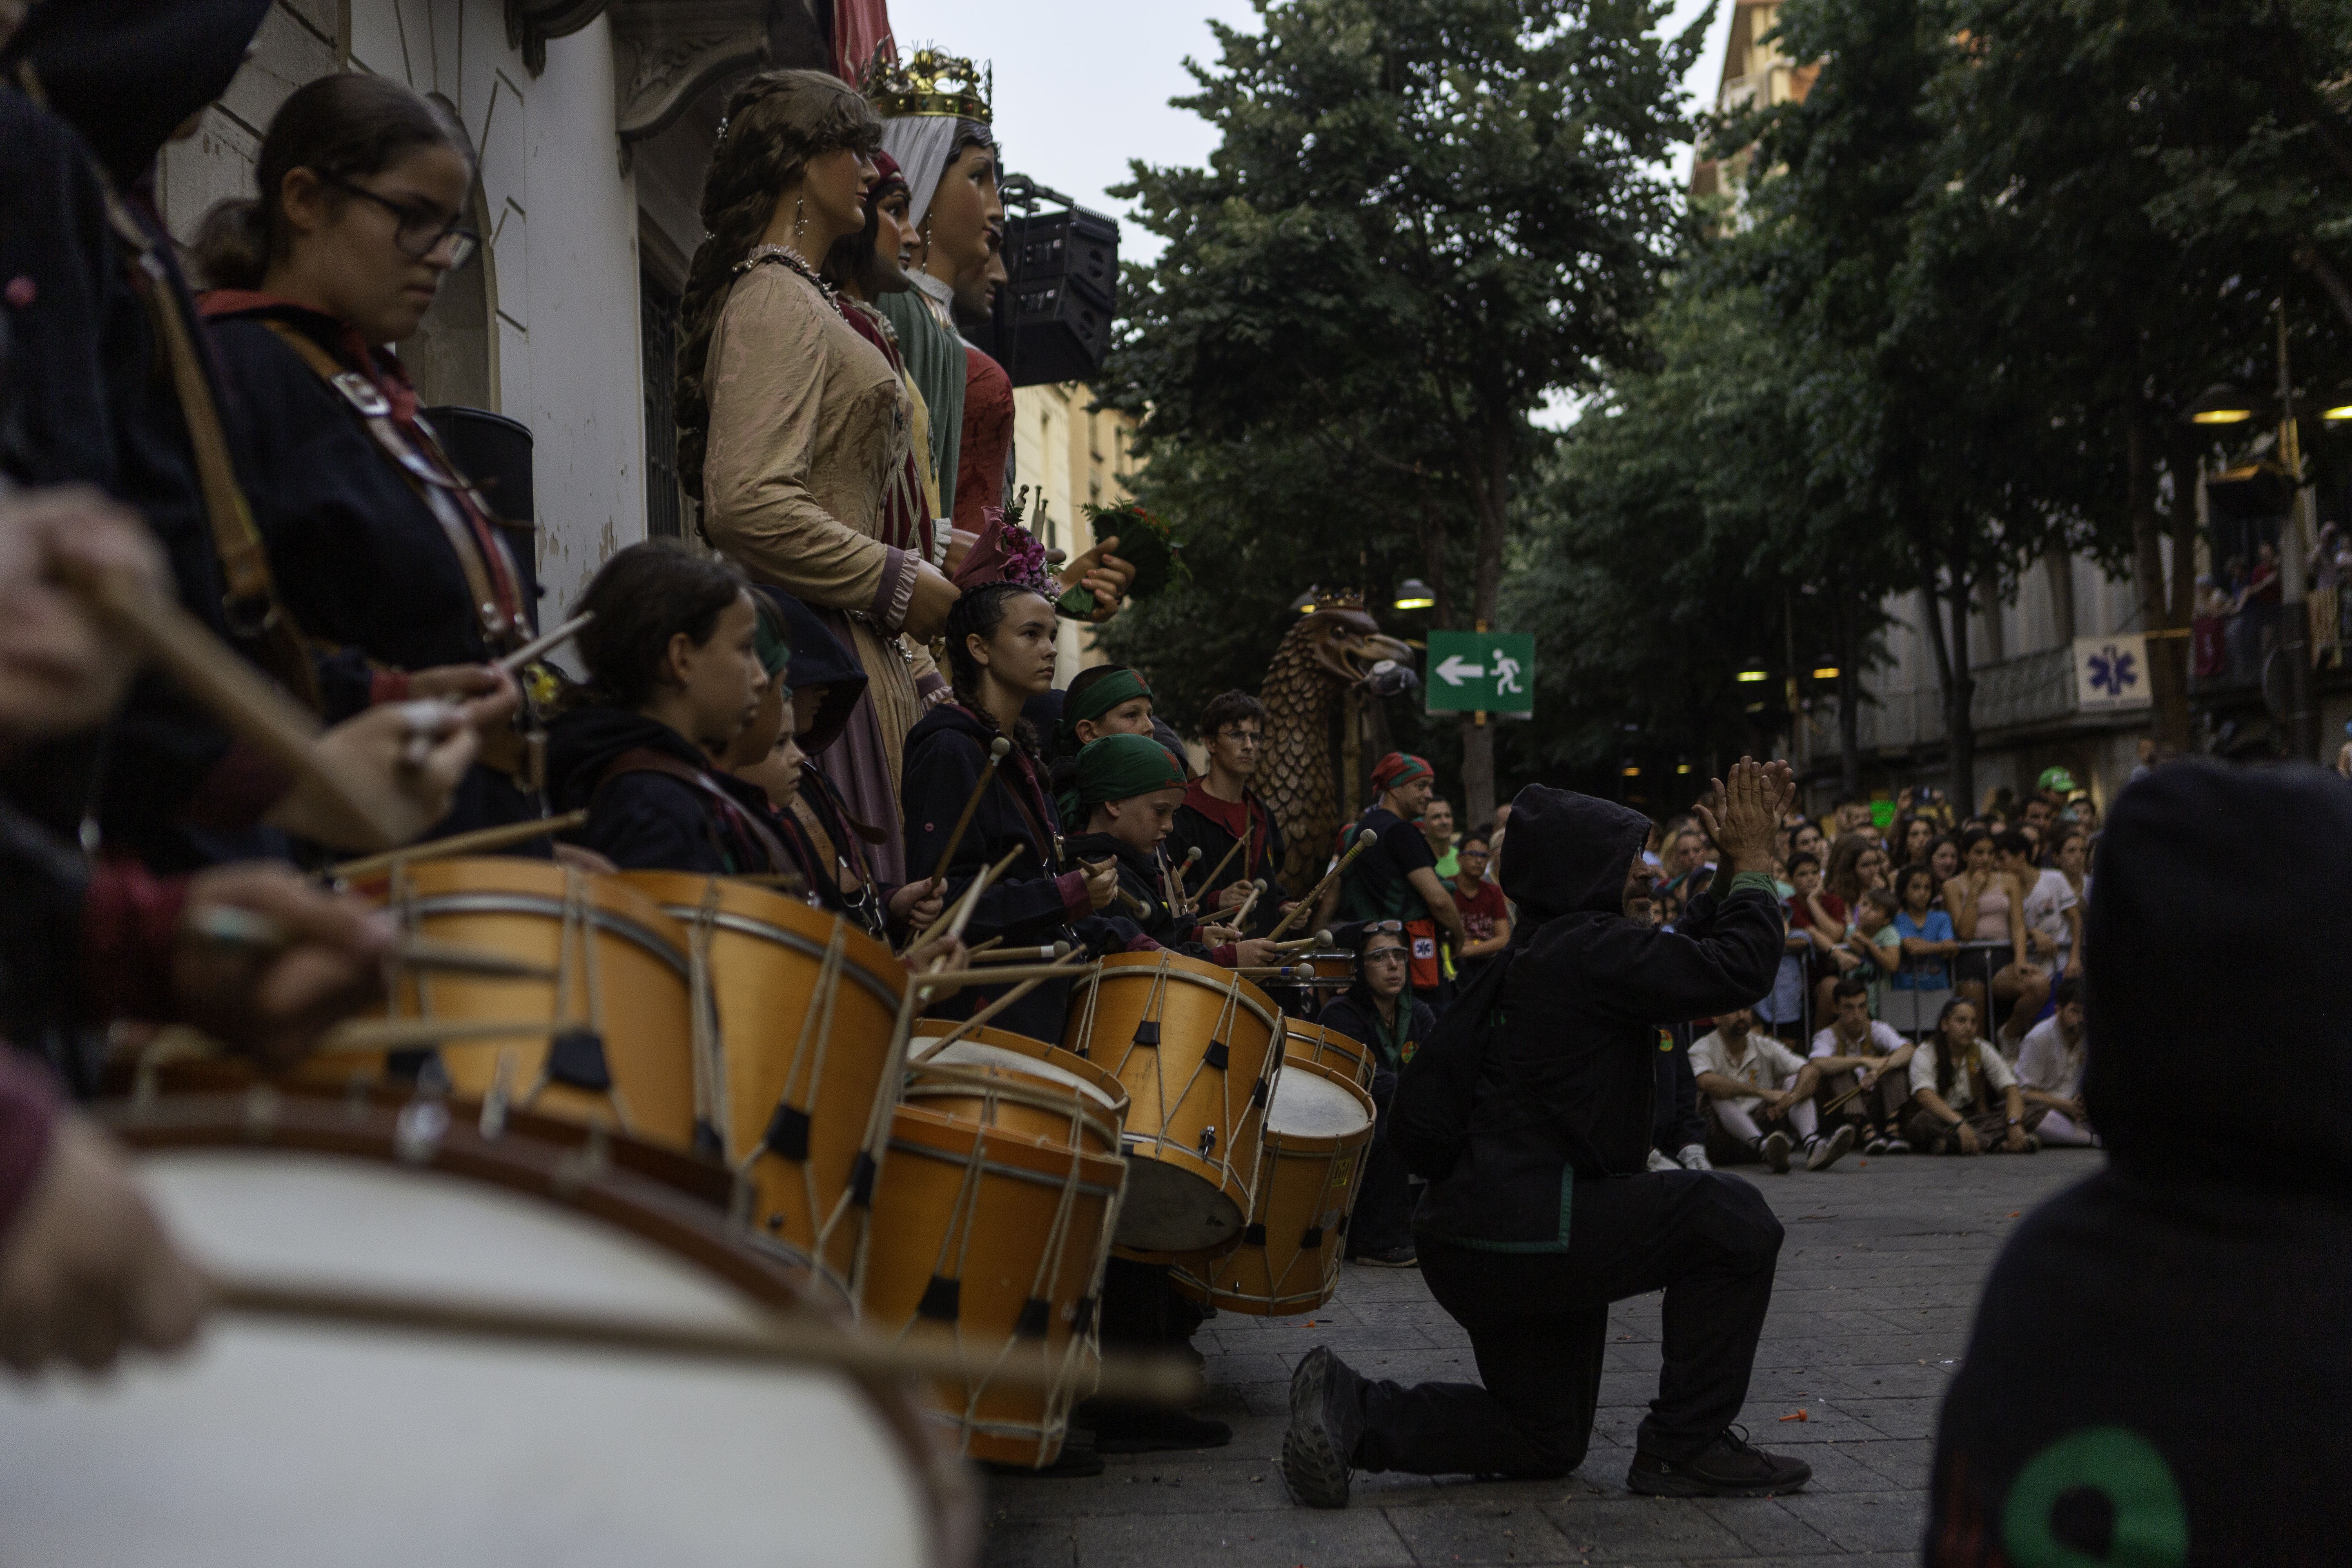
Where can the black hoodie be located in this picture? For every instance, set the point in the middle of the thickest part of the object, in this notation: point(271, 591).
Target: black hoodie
point(1565, 1086)
point(2160, 1353)
point(643, 820)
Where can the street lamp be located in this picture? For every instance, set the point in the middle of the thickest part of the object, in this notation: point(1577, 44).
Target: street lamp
point(2339, 408)
point(2220, 405)
point(1632, 770)
point(1753, 674)
point(1412, 593)
point(1826, 668)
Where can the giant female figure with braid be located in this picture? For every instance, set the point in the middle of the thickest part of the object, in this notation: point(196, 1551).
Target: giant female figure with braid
point(792, 425)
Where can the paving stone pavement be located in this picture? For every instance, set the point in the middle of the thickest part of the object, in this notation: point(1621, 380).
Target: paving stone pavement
point(1877, 1286)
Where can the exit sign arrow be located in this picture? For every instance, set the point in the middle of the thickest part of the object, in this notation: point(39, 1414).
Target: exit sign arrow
point(1454, 671)
point(1480, 672)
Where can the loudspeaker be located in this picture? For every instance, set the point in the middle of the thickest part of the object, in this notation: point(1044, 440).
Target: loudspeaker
point(1079, 244)
point(1052, 320)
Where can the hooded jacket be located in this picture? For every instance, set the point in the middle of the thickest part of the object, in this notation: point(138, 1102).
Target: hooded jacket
point(1564, 1089)
point(652, 821)
point(2159, 1355)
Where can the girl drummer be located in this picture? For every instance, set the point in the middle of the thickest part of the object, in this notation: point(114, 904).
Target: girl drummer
point(675, 676)
point(383, 556)
point(1000, 640)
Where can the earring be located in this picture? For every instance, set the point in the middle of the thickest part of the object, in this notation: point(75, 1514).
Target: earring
point(800, 217)
point(926, 232)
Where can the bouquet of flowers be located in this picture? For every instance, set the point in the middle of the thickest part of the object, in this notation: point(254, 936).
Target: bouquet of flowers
point(1144, 543)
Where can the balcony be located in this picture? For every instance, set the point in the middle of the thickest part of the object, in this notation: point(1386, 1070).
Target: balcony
point(2016, 693)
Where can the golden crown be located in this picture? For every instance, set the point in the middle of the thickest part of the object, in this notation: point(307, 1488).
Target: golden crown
point(928, 83)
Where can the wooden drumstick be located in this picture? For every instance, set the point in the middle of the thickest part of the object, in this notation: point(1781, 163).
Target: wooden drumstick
point(1302, 944)
point(998, 750)
point(958, 914)
point(1132, 902)
point(513, 663)
point(226, 925)
point(1243, 913)
point(1231, 851)
point(1018, 954)
point(254, 711)
point(781, 1340)
point(1168, 893)
point(998, 974)
point(481, 840)
point(1329, 877)
point(405, 1034)
point(968, 1025)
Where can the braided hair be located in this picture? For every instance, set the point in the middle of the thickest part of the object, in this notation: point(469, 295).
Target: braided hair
point(1946, 1069)
point(977, 614)
point(776, 123)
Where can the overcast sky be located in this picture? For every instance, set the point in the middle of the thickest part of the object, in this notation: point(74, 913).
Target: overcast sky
point(1082, 86)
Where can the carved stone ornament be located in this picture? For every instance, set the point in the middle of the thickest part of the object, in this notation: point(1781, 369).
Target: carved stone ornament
point(531, 23)
point(667, 52)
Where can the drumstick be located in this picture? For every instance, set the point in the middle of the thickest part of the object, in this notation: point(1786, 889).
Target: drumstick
point(1017, 954)
point(970, 895)
point(1132, 902)
point(972, 953)
point(238, 695)
point(985, 1013)
point(1268, 971)
point(228, 926)
point(997, 751)
point(1243, 913)
point(1231, 851)
point(481, 838)
point(1301, 943)
point(1182, 902)
point(1168, 894)
point(782, 1340)
point(404, 1034)
point(998, 974)
point(512, 664)
point(1331, 876)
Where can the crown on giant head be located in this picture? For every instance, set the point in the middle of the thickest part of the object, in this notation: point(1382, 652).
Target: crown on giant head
point(928, 81)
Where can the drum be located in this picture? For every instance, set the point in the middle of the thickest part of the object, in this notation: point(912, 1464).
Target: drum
point(994, 1239)
point(1001, 1052)
point(1340, 964)
point(804, 1004)
point(609, 1041)
point(1198, 1048)
point(285, 1441)
point(1328, 1048)
point(1318, 1132)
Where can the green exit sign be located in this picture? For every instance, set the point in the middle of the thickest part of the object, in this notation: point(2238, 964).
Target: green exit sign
point(1493, 672)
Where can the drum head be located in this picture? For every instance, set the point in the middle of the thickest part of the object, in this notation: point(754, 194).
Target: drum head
point(980, 1054)
point(1168, 1209)
point(1309, 1105)
point(284, 1442)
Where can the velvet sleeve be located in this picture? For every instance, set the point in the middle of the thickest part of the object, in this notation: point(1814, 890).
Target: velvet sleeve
point(1029, 901)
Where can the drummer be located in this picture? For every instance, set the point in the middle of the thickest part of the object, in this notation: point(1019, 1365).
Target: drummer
point(675, 676)
point(1000, 638)
point(1121, 803)
point(1221, 810)
point(827, 842)
point(1380, 1012)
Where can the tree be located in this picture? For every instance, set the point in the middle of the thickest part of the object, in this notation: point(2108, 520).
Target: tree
point(1424, 219)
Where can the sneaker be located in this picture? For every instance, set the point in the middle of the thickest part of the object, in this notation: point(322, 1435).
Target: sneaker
point(1399, 1257)
point(1326, 1418)
point(1658, 1162)
point(1775, 1150)
point(1693, 1157)
point(1877, 1145)
point(1827, 1152)
point(1897, 1146)
point(1142, 1429)
point(1728, 1466)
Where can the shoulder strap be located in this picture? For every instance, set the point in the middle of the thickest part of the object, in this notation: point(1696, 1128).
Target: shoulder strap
point(431, 476)
point(645, 760)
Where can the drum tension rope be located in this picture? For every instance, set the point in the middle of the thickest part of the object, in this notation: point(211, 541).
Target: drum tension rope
point(788, 1132)
point(575, 1059)
point(1035, 1314)
point(942, 1299)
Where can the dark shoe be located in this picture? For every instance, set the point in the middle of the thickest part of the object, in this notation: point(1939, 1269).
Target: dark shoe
point(1135, 1429)
point(1724, 1468)
point(1775, 1150)
point(1326, 1416)
point(1399, 1257)
point(1877, 1145)
point(1827, 1152)
point(1898, 1146)
point(1075, 1462)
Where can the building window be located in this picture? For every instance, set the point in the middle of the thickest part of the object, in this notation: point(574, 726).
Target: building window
point(657, 320)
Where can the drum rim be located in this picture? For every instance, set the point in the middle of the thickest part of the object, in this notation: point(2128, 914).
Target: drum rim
point(489, 902)
point(1320, 1143)
point(938, 1124)
point(751, 926)
point(1248, 993)
point(1111, 1088)
point(263, 1118)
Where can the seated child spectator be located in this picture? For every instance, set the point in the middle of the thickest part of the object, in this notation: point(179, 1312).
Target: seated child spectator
point(1953, 1082)
point(1747, 1075)
point(2050, 1069)
point(1865, 1063)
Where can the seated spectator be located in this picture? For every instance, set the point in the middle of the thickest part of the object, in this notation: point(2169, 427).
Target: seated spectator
point(1924, 933)
point(1485, 914)
point(1953, 1080)
point(1379, 1012)
point(1864, 1063)
point(2050, 1069)
point(1747, 1075)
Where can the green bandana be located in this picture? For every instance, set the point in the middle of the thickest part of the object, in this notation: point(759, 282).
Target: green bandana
point(1119, 686)
point(1119, 767)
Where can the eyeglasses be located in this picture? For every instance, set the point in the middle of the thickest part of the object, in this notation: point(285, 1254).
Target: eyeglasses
point(1386, 955)
point(422, 228)
point(1394, 927)
point(1476, 854)
point(1241, 737)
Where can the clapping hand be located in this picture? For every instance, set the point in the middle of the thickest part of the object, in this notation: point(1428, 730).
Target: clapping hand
point(1743, 815)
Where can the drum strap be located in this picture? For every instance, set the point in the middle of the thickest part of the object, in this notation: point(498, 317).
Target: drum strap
point(748, 829)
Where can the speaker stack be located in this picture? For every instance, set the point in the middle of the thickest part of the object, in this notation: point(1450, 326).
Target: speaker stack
point(1052, 320)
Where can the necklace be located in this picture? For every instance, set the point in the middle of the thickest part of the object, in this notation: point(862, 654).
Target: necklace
point(791, 258)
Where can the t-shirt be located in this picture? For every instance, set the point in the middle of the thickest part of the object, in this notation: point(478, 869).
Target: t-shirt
point(1449, 864)
point(1375, 886)
point(1769, 1064)
point(1802, 917)
point(1881, 1041)
point(1921, 973)
point(2046, 1062)
point(1963, 1092)
point(2046, 907)
point(1479, 911)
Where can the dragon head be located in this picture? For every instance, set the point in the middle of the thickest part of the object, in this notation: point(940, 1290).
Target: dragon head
point(1349, 646)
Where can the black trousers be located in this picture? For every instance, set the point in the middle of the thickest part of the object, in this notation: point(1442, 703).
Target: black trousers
point(1538, 1324)
point(1383, 1217)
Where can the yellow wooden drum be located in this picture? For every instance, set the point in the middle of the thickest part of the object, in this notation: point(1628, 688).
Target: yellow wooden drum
point(608, 1041)
point(993, 1239)
point(803, 1007)
point(1317, 1130)
point(1198, 1048)
point(1328, 1048)
point(1001, 1053)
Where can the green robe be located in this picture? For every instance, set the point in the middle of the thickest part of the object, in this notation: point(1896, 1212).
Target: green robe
point(936, 362)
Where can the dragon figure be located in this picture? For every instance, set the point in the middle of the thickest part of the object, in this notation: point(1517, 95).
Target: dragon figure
point(1324, 660)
